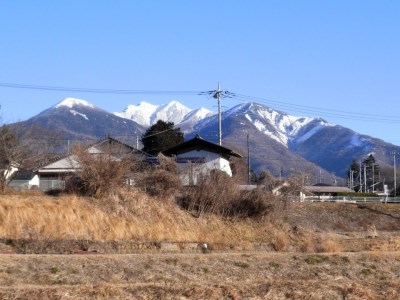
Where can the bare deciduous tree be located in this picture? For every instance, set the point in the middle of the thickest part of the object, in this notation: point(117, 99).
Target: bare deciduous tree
point(101, 173)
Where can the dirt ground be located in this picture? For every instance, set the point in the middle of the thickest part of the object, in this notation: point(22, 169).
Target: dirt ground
point(266, 275)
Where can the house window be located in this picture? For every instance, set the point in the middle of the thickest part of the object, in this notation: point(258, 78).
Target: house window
point(193, 160)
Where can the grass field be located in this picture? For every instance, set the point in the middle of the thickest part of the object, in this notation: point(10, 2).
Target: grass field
point(317, 251)
point(202, 276)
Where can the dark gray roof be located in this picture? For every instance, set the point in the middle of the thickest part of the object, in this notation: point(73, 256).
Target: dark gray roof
point(23, 175)
point(197, 143)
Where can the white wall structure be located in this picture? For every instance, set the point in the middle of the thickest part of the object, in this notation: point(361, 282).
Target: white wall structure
point(194, 164)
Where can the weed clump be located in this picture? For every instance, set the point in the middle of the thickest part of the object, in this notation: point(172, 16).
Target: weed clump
point(218, 194)
point(316, 259)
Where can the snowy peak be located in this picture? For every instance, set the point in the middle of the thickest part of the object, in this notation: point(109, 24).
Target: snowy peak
point(140, 113)
point(171, 112)
point(73, 102)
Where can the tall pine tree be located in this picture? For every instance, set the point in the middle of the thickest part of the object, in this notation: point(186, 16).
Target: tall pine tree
point(160, 137)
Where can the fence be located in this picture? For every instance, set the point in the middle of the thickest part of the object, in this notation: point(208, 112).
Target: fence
point(349, 199)
point(21, 185)
point(44, 185)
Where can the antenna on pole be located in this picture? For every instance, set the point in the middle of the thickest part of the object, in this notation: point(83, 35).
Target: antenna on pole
point(217, 95)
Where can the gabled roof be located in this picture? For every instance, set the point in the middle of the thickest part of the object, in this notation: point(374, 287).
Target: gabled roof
point(23, 175)
point(327, 189)
point(197, 143)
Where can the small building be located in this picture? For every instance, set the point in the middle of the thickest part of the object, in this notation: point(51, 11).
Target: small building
point(198, 157)
point(324, 191)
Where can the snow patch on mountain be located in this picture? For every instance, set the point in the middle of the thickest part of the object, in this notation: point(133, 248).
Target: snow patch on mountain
point(72, 102)
point(357, 141)
point(75, 113)
point(277, 125)
point(193, 118)
point(309, 133)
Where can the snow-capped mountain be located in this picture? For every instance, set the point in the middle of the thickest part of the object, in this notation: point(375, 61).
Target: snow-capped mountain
point(147, 114)
point(277, 125)
point(79, 119)
point(280, 140)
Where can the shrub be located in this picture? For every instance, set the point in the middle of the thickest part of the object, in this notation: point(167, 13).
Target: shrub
point(217, 193)
point(99, 173)
point(158, 183)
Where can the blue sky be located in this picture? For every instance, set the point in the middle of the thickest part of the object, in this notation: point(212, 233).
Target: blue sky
point(306, 58)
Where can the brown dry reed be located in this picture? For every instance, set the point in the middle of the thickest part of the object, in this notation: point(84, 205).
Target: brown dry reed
point(126, 215)
point(218, 194)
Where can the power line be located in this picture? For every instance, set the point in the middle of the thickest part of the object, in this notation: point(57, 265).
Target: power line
point(99, 91)
point(326, 112)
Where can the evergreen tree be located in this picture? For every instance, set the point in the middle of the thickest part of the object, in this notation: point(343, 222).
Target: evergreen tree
point(161, 136)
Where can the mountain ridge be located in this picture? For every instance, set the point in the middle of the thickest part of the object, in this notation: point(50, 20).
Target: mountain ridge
point(278, 140)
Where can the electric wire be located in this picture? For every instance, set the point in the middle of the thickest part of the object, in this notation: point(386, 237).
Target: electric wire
point(241, 98)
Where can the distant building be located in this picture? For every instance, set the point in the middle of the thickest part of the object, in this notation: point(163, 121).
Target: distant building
point(324, 190)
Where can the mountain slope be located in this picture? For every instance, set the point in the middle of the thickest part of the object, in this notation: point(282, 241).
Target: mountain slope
point(267, 150)
point(279, 139)
point(77, 119)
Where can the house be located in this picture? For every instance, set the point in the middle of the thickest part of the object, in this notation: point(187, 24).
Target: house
point(198, 157)
point(53, 174)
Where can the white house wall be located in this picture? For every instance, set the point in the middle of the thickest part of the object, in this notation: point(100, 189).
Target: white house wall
point(34, 181)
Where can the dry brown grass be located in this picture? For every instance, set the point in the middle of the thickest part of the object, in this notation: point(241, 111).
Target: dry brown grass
point(130, 215)
point(201, 276)
point(127, 215)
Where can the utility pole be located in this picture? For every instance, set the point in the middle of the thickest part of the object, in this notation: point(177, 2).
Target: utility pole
point(373, 177)
point(361, 187)
point(365, 178)
point(248, 161)
point(217, 95)
point(394, 174)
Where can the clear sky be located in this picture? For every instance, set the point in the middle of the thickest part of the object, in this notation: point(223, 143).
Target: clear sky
point(339, 60)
